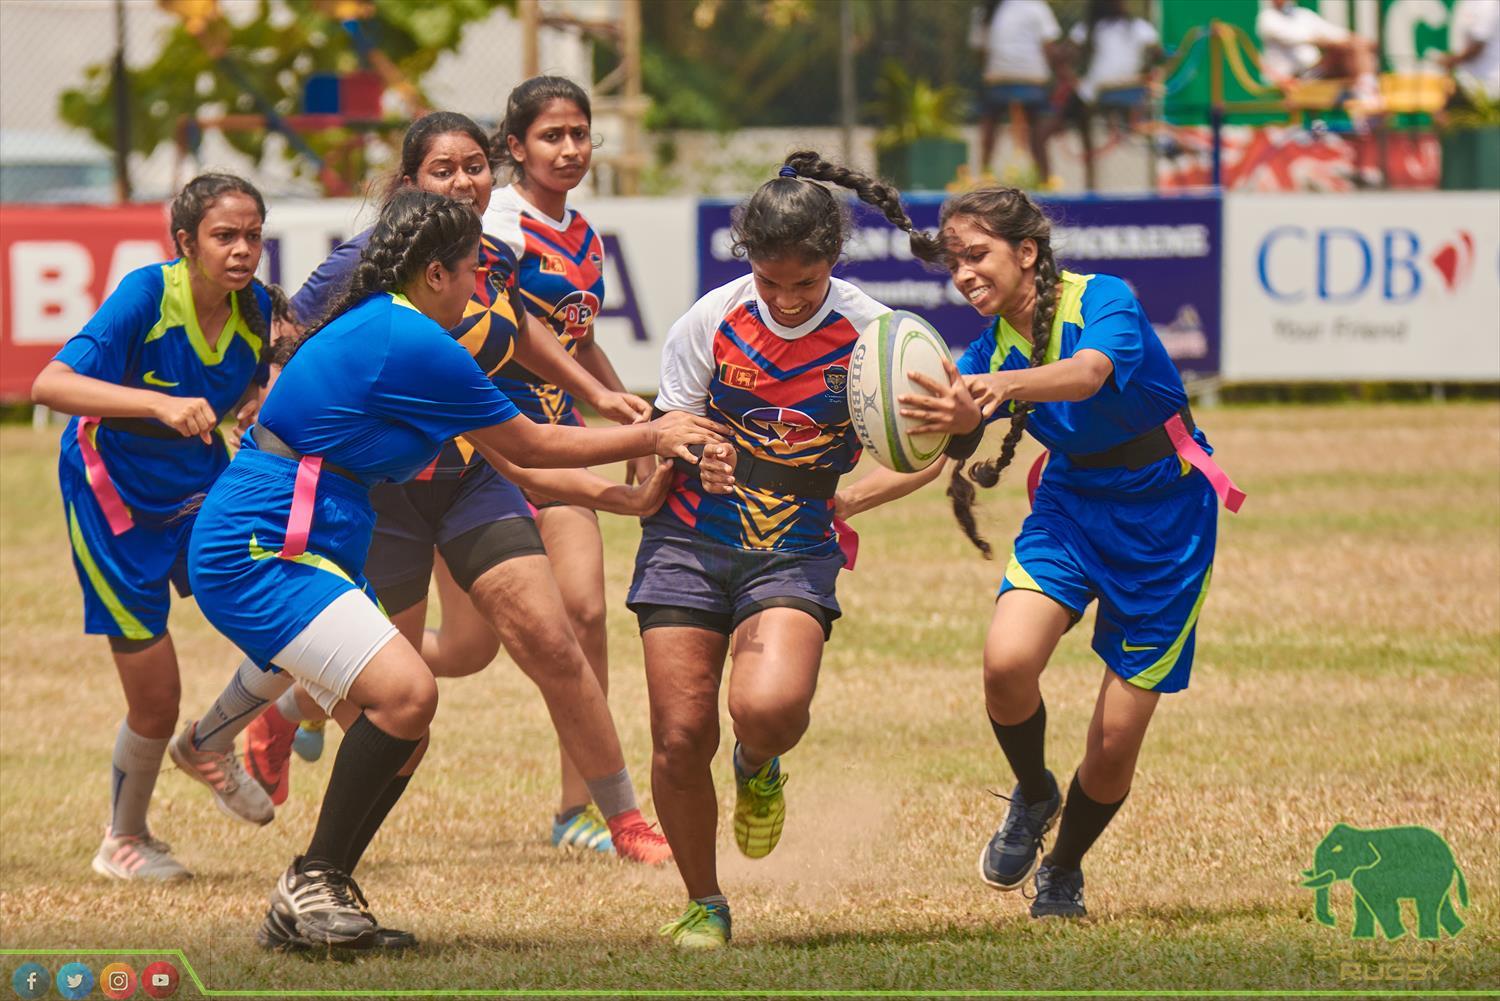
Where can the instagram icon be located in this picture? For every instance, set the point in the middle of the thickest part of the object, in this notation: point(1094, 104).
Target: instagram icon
point(117, 981)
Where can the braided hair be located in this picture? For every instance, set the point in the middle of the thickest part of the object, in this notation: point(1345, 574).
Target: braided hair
point(1007, 214)
point(415, 228)
point(186, 213)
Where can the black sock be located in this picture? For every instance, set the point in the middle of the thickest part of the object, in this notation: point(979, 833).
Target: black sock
point(1024, 744)
point(1083, 820)
point(368, 759)
point(378, 812)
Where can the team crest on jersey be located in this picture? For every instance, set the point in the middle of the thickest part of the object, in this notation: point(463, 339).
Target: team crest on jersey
point(552, 264)
point(575, 313)
point(836, 377)
point(737, 376)
point(782, 424)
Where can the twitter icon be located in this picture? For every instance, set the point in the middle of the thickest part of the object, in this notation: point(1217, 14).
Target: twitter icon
point(75, 981)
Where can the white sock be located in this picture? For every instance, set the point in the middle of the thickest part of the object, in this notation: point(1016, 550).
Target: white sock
point(287, 706)
point(237, 705)
point(137, 762)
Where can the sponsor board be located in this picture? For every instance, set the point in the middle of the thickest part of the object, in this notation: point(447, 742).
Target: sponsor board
point(1167, 249)
point(1372, 286)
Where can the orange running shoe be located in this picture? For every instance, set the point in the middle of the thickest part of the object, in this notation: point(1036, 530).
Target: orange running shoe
point(637, 840)
point(268, 752)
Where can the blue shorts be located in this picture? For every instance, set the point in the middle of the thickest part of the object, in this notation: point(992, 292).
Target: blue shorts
point(1148, 562)
point(1000, 96)
point(1121, 98)
point(725, 584)
point(477, 521)
point(126, 578)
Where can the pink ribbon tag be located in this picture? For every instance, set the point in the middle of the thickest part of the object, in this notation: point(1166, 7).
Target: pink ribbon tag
point(848, 542)
point(1034, 476)
point(304, 498)
point(1192, 453)
point(115, 511)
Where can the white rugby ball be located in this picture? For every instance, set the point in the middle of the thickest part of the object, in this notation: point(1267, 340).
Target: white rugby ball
point(891, 346)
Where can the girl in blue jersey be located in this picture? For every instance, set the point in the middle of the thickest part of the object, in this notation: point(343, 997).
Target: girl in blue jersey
point(746, 567)
point(369, 396)
point(546, 139)
point(1124, 513)
point(497, 582)
point(175, 348)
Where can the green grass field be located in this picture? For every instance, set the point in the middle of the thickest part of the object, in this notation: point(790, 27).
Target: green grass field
point(1348, 671)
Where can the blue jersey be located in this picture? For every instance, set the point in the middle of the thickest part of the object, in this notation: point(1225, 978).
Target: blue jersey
point(1097, 312)
point(487, 331)
point(146, 335)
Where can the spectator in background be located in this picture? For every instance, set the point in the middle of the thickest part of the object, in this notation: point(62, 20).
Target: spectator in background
point(1021, 44)
point(1475, 57)
point(1298, 45)
point(1116, 51)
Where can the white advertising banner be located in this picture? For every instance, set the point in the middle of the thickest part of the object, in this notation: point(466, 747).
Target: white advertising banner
point(650, 279)
point(1398, 286)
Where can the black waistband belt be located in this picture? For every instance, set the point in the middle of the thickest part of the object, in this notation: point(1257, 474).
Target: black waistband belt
point(776, 477)
point(1138, 452)
point(143, 427)
point(268, 441)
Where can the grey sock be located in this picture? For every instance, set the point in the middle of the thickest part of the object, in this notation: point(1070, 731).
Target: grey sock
point(614, 794)
point(237, 705)
point(287, 706)
point(717, 898)
point(137, 762)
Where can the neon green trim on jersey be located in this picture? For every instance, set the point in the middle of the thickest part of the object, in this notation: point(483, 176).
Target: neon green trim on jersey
point(130, 626)
point(1018, 577)
point(1069, 310)
point(401, 300)
point(177, 310)
point(259, 552)
point(1151, 676)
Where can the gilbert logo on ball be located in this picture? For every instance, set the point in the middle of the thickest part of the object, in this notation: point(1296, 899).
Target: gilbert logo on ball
point(892, 345)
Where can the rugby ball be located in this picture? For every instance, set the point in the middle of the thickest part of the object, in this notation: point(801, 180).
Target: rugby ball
point(892, 345)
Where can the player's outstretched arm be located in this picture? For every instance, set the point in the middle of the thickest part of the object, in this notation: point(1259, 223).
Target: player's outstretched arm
point(557, 446)
point(882, 486)
point(540, 351)
point(585, 489)
point(60, 388)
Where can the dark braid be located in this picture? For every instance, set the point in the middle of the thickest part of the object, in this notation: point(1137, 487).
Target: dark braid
point(259, 324)
point(1007, 214)
point(415, 228)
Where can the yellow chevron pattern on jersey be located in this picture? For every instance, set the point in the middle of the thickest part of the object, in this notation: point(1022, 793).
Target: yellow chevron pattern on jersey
point(475, 339)
point(765, 517)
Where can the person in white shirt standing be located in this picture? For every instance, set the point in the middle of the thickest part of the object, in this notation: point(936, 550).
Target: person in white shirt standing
point(1021, 47)
point(1117, 51)
point(1474, 48)
point(1298, 44)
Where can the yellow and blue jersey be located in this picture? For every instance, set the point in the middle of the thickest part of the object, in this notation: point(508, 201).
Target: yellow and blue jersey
point(377, 392)
point(146, 335)
point(781, 392)
point(561, 279)
point(1101, 313)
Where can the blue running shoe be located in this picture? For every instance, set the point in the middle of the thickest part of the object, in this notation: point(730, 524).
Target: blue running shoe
point(308, 741)
point(1059, 893)
point(586, 829)
point(1011, 856)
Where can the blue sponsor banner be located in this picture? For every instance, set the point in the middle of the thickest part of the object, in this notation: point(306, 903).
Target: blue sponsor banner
point(1168, 249)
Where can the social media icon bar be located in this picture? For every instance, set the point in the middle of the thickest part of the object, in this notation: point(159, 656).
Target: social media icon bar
point(117, 980)
point(75, 981)
point(30, 980)
point(159, 980)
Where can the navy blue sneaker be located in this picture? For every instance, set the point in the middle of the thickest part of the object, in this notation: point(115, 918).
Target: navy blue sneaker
point(1059, 893)
point(1011, 856)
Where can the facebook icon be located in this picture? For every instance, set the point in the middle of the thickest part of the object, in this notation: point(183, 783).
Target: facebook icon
point(30, 980)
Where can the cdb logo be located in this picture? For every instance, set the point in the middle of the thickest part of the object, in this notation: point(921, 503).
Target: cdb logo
point(1339, 264)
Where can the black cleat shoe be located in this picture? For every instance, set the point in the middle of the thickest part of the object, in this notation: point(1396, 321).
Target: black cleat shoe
point(394, 939)
point(1059, 893)
point(1011, 855)
point(278, 933)
point(324, 907)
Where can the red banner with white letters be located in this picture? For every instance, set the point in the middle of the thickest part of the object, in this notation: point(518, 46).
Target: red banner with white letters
point(57, 264)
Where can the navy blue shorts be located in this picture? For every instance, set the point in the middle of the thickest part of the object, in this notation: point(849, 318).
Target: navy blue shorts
point(996, 97)
point(477, 521)
point(701, 583)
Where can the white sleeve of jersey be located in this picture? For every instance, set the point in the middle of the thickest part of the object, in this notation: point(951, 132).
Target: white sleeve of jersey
point(855, 306)
point(687, 357)
point(502, 220)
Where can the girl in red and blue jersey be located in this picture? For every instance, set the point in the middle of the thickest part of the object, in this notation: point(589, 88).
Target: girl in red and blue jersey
point(370, 396)
point(495, 581)
point(746, 567)
point(1125, 513)
point(174, 349)
point(546, 139)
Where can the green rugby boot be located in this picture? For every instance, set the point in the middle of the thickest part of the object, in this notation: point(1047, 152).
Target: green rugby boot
point(759, 808)
point(702, 926)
